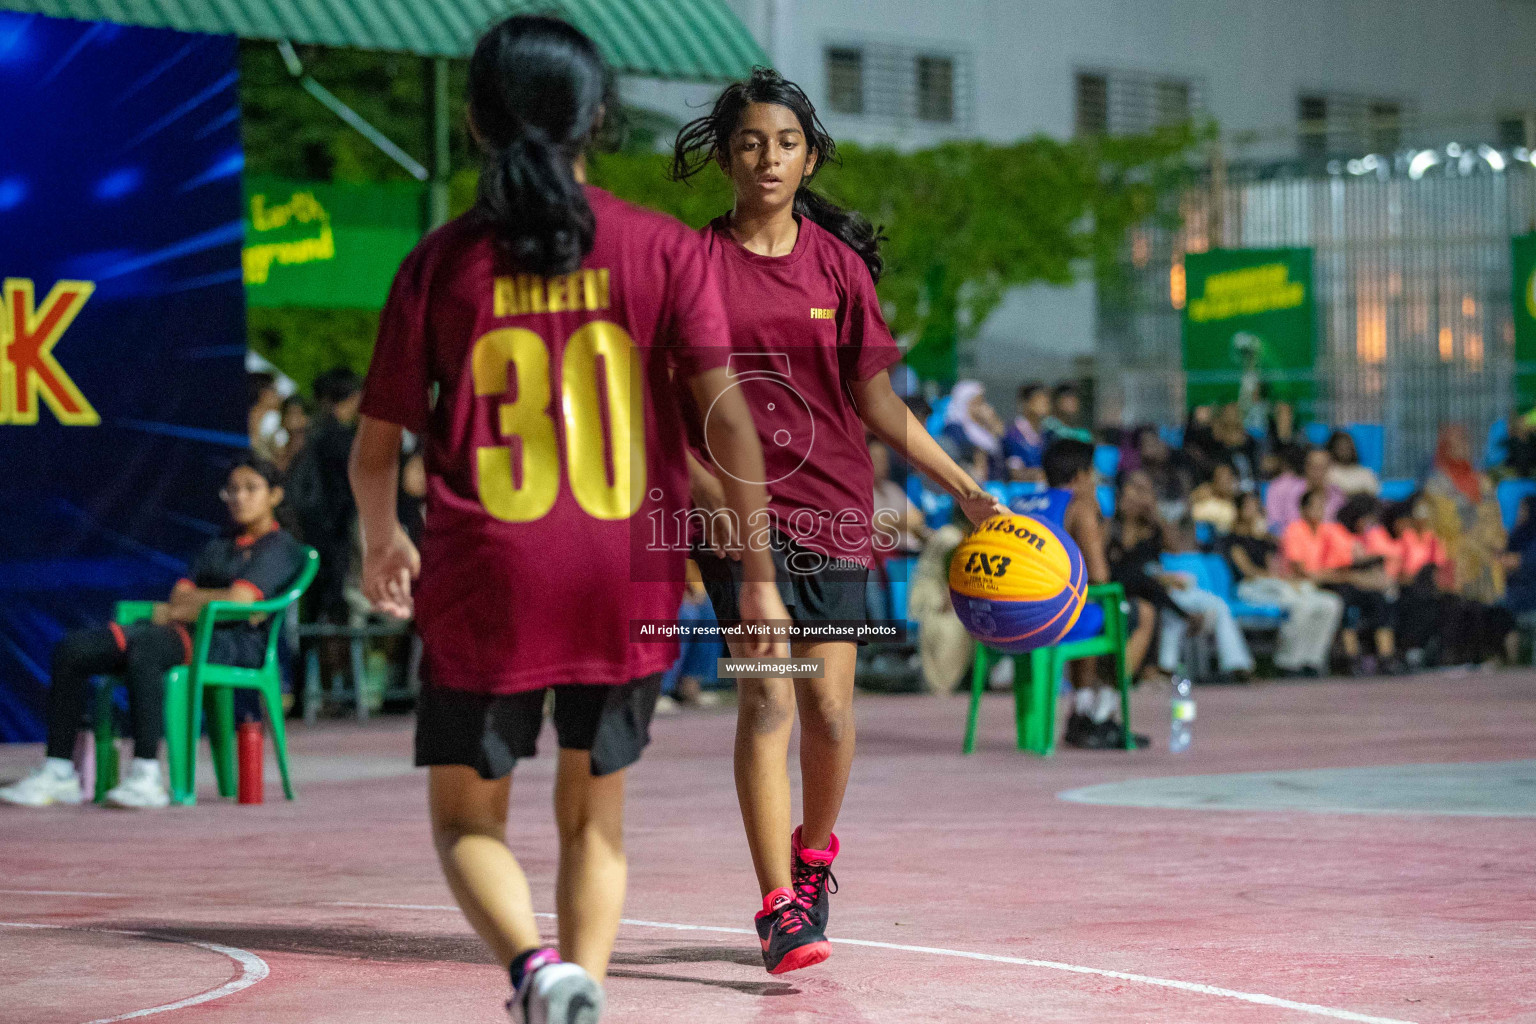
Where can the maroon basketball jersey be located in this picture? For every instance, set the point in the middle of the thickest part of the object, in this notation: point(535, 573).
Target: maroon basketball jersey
point(550, 413)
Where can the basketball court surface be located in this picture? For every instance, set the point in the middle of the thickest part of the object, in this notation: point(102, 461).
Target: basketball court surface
point(1349, 851)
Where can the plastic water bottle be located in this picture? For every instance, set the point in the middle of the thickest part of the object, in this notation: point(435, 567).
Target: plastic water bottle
point(1182, 708)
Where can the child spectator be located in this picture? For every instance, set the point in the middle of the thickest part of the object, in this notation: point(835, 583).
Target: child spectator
point(1346, 473)
point(1328, 555)
point(254, 561)
point(1024, 443)
point(1313, 614)
point(1417, 563)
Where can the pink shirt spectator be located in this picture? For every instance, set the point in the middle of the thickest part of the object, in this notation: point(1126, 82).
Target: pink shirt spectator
point(1282, 503)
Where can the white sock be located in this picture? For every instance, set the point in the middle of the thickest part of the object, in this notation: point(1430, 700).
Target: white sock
point(1082, 700)
point(148, 766)
point(1107, 700)
point(60, 768)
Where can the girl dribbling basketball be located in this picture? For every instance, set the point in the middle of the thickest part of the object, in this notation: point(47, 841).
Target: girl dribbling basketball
point(811, 351)
point(533, 343)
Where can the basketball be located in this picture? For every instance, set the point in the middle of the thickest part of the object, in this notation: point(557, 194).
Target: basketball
point(1018, 583)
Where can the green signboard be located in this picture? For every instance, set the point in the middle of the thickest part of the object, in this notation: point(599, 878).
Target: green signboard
point(1249, 312)
point(1522, 257)
point(333, 246)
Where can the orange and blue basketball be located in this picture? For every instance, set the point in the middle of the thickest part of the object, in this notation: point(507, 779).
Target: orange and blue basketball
point(1018, 583)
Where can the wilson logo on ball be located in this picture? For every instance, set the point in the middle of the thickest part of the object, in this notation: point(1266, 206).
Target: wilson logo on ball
point(1018, 583)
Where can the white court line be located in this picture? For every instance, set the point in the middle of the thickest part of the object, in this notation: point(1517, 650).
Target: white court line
point(62, 892)
point(1053, 965)
point(252, 967)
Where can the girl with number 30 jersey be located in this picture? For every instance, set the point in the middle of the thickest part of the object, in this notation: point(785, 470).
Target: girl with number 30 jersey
point(810, 350)
point(532, 342)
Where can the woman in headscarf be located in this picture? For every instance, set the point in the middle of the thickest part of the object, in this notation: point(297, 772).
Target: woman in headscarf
point(976, 431)
point(1465, 515)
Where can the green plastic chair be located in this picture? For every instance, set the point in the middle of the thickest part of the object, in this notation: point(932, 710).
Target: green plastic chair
point(223, 680)
point(1035, 694)
point(176, 711)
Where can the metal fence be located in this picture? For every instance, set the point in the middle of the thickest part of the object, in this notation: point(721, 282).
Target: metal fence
point(1411, 276)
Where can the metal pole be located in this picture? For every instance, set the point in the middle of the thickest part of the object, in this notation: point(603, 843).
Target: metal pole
point(437, 189)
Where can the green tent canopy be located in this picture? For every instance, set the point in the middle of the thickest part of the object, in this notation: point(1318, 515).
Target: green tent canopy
point(693, 40)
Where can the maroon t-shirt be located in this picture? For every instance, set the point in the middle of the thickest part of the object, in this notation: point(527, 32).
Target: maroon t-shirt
point(554, 443)
point(803, 326)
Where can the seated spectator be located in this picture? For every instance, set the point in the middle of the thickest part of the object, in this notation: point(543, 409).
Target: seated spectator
point(1313, 615)
point(1346, 473)
point(944, 648)
point(1072, 503)
point(254, 560)
point(1215, 501)
point(1024, 443)
point(1520, 588)
point(1465, 514)
point(1168, 471)
point(319, 493)
point(1306, 469)
point(974, 431)
point(1329, 556)
point(1417, 563)
point(1066, 414)
point(1137, 538)
point(897, 519)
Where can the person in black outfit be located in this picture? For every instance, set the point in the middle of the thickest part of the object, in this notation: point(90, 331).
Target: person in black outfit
point(318, 490)
point(254, 561)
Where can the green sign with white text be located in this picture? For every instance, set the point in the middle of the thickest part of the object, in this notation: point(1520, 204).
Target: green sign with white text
point(1522, 258)
point(331, 246)
point(1249, 312)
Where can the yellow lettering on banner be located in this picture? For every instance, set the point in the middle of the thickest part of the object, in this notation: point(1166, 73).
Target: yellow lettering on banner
point(29, 373)
point(1261, 289)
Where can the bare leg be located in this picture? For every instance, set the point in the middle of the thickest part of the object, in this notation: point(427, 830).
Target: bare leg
point(589, 889)
point(1351, 643)
point(1386, 643)
point(826, 737)
point(765, 716)
point(469, 829)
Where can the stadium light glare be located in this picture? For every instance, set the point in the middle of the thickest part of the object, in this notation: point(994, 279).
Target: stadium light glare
point(1421, 162)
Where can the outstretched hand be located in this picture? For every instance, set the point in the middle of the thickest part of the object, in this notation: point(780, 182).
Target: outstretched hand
point(980, 505)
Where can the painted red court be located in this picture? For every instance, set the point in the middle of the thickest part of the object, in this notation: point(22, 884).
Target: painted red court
point(970, 890)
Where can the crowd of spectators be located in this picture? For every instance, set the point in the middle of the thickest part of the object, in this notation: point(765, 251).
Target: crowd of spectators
point(1331, 576)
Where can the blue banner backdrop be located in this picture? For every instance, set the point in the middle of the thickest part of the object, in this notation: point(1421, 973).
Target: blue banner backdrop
point(122, 389)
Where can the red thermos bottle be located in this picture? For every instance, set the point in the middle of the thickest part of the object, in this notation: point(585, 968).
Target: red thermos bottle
point(248, 748)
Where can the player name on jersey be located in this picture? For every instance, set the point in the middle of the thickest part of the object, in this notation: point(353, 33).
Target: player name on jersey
point(521, 294)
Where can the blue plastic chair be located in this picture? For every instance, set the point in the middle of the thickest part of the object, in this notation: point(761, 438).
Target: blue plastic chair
point(1173, 437)
point(1511, 494)
point(1106, 494)
point(1106, 459)
point(1496, 451)
point(1022, 489)
point(1317, 433)
point(997, 489)
point(1191, 562)
point(935, 422)
point(1370, 444)
point(1205, 534)
point(938, 508)
point(1398, 489)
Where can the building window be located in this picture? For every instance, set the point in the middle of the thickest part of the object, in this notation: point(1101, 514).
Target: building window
point(1092, 104)
point(935, 89)
point(1312, 127)
point(845, 79)
point(904, 84)
point(1118, 102)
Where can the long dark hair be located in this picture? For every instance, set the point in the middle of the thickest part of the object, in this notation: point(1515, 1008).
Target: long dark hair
point(708, 140)
point(537, 88)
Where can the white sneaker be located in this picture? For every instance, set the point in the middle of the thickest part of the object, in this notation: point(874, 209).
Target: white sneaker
point(666, 705)
point(556, 992)
point(141, 789)
point(43, 787)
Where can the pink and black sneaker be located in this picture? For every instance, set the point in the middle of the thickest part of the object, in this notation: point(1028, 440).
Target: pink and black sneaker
point(790, 938)
point(813, 878)
point(553, 991)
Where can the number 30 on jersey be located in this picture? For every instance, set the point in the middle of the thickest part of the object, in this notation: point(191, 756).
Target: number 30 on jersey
point(598, 354)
